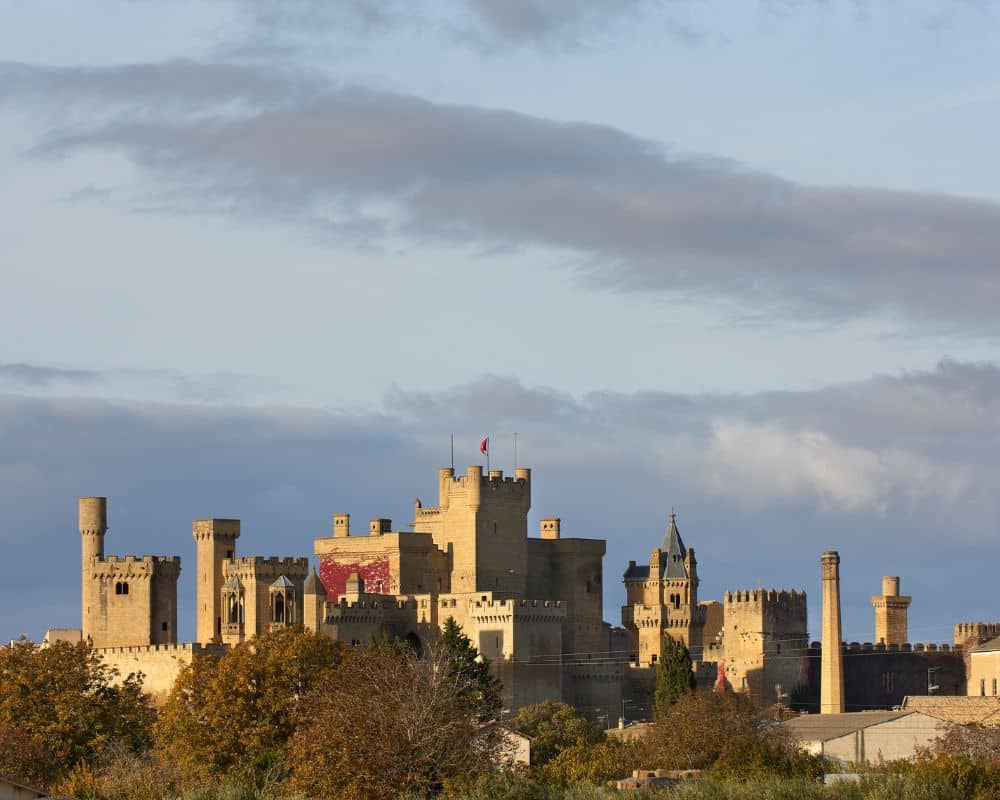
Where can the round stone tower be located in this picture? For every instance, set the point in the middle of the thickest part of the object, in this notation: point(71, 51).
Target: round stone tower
point(93, 524)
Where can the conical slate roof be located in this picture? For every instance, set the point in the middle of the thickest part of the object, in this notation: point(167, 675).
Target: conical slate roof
point(313, 584)
point(282, 583)
point(673, 549)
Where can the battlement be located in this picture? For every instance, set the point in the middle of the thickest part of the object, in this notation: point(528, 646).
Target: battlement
point(975, 632)
point(185, 648)
point(271, 566)
point(787, 597)
point(598, 670)
point(854, 648)
point(500, 604)
point(215, 528)
point(136, 567)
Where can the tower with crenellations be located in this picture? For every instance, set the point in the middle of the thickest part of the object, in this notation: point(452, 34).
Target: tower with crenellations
point(125, 600)
point(532, 605)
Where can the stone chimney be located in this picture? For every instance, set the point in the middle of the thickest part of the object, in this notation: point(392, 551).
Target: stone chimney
point(831, 687)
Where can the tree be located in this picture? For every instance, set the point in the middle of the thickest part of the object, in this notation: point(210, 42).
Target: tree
point(390, 723)
point(674, 676)
point(64, 704)
point(593, 763)
point(463, 661)
point(766, 753)
point(228, 713)
point(691, 733)
point(554, 727)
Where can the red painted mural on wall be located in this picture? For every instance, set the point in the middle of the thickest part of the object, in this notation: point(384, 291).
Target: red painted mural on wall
point(374, 572)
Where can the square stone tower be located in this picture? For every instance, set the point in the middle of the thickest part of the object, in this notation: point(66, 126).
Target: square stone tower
point(127, 601)
point(481, 523)
point(216, 543)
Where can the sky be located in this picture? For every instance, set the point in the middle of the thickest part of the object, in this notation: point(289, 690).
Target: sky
point(738, 260)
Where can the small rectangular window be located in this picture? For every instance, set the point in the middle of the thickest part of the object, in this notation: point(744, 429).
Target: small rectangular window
point(982, 687)
point(164, 627)
point(994, 687)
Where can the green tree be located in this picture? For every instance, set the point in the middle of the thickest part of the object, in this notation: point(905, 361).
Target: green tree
point(65, 704)
point(674, 676)
point(228, 713)
point(554, 727)
point(461, 659)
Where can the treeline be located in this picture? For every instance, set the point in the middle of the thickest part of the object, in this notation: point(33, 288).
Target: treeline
point(294, 714)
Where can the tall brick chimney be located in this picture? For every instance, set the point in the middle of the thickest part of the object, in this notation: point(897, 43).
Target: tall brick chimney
point(831, 687)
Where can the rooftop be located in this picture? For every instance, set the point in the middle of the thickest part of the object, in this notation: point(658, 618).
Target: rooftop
point(822, 727)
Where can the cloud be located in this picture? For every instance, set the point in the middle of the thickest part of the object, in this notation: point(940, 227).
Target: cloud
point(752, 476)
point(32, 376)
point(482, 24)
point(761, 465)
point(635, 216)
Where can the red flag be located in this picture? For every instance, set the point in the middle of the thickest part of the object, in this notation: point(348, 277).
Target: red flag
point(484, 446)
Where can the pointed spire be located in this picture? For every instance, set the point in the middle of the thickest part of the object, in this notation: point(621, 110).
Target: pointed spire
point(313, 585)
point(673, 551)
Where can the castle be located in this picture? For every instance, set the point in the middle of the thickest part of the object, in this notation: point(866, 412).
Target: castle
point(532, 605)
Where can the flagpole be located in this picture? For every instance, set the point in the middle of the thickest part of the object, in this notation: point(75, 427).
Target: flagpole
point(515, 452)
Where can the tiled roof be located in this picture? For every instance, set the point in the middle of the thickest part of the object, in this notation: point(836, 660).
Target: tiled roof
point(637, 572)
point(313, 584)
point(988, 647)
point(674, 550)
point(960, 710)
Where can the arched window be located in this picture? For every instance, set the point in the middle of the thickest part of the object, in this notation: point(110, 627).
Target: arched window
point(121, 587)
point(279, 608)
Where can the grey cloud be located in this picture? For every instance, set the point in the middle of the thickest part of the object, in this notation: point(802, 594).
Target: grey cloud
point(137, 384)
point(483, 24)
point(33, 376)
point(611, 466)
point(636, 216)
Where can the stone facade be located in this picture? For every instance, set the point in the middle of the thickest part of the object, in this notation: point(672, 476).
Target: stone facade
point(126, 600)
point(662, 599)
point(757, 636)
point(533, 606)
point(984, 669)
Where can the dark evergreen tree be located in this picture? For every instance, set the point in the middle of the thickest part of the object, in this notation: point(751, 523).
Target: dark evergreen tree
point(460, 658)
point(674, 675)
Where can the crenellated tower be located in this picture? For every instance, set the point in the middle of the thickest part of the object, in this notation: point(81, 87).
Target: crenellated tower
point(126, 600)
point(216, 543)
point(481, 523)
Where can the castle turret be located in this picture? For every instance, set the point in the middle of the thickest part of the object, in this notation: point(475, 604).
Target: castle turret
point(93, 524)
point(832, 660)
point(314, 602)
point(216, 542)
point(890, 613)
point(481, 523)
